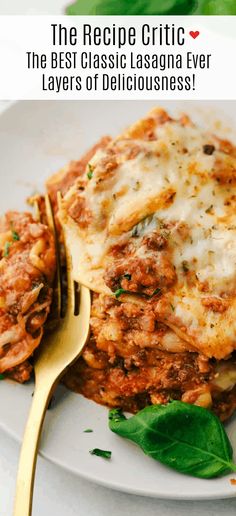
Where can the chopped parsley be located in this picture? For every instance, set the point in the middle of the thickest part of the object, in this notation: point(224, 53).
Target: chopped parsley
point(127, 276)
point(120, 291)
point(88, 431)
point(15, 235)
point(90, 172)
point(7, 249)
point(101, 453)
point(156, 291)
point(172, 307)
point(2, 376)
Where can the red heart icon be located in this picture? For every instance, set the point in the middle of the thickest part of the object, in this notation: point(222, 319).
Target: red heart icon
point(194, 34)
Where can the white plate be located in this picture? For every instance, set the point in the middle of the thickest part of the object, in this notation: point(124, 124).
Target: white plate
point(36, 138)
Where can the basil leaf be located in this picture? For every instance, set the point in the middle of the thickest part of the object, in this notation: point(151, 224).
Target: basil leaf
point(101, 453)
point(185, 437)
point(82, 7)
point(218, 7)
point(131, 7)
point(142, 7)
point(156, 291)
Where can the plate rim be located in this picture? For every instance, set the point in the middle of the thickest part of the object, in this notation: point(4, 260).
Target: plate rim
point(115, 485)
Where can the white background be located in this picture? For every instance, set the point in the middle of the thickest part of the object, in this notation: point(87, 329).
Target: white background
point(19, 35)
point(57, 492)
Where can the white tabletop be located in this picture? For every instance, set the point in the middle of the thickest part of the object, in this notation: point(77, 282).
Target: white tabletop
point(56, 491)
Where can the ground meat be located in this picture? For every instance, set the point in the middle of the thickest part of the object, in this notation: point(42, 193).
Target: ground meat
point(225, 404)
point(130, 363)
point(146, 275)
point(20, 373)
point(145, 129)
point(146, 378)
point(227, 147)
point(215, 304)
point(155, 241)
point(144, 375)
point(225, 170)
point(79, 211)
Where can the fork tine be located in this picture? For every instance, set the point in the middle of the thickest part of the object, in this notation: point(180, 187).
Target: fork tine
point(70, 279)
point(70, 283)
point(52, 226)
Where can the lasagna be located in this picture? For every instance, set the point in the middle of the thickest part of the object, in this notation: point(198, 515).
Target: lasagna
point(27, 266)
point(153, 234)
point(27, 269)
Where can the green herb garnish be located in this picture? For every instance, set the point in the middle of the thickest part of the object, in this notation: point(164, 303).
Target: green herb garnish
point(88, 431)
point(2, 376)
point(101, 453)
point(172, 307)
point(120, 291)
point(156, 291)
point(127, 276)
point(15, 236)
point(7, 249)
point(90, 172)
point(187, 438)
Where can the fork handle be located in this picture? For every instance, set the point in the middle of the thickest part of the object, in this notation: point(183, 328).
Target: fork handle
point(29, 449)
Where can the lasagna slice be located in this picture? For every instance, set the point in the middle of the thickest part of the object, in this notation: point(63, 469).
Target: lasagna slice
point(27, 266)
point(153, 234)
point(155, 223)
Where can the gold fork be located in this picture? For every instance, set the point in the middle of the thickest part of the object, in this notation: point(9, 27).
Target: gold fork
point(58, 350)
